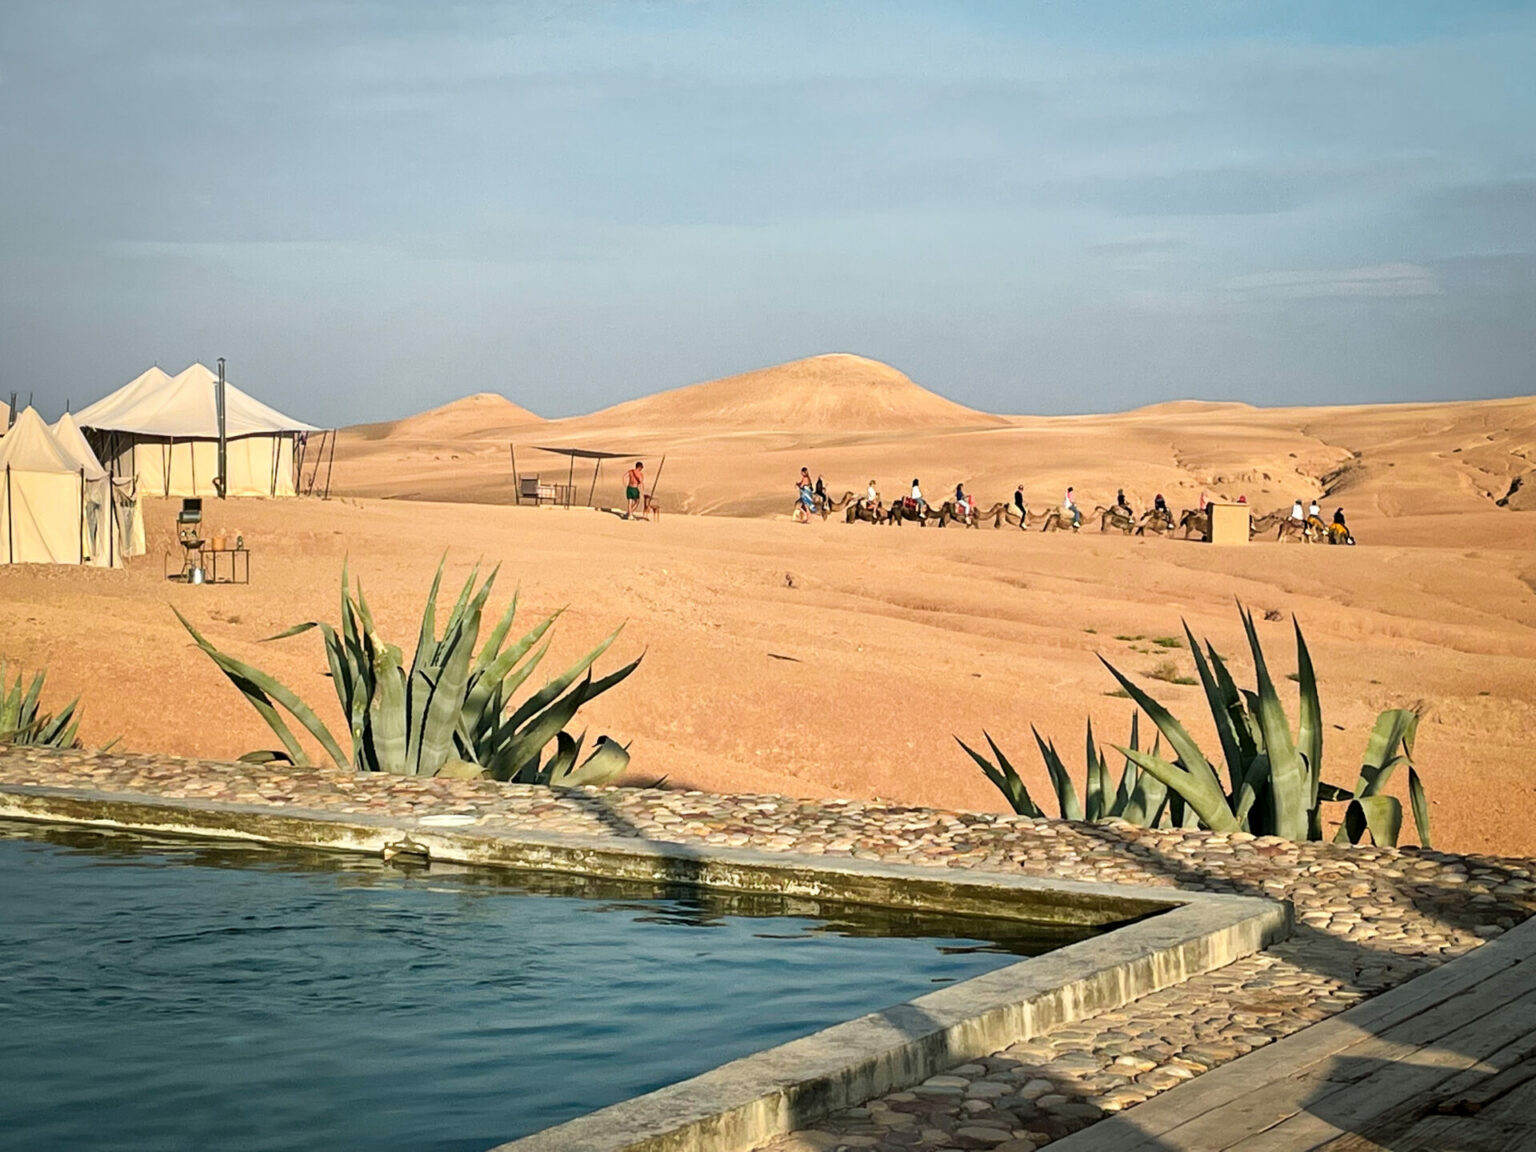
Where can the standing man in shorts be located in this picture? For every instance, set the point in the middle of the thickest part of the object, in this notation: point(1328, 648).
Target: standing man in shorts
point(634, 482)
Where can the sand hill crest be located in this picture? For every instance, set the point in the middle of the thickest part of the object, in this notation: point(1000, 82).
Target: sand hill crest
point(837, 392)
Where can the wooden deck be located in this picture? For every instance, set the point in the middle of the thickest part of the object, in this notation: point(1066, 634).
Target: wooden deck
point(1443, 1063)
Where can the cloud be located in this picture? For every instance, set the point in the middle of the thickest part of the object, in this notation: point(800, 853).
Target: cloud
point(1381, 280)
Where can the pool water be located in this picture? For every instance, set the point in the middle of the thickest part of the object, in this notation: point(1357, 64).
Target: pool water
point(176, 994)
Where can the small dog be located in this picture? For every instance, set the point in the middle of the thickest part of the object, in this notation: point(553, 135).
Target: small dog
point(651, 509)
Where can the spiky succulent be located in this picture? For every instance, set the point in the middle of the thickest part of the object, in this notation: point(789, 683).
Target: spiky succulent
point(451, 712)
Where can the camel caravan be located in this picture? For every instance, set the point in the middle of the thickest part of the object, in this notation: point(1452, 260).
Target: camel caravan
point(1299, 524)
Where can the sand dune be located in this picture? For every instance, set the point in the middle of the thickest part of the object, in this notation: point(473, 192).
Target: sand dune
point(734, 446)
point(837, 659)
point(836, 393)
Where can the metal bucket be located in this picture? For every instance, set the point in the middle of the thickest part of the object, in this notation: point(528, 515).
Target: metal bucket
point(195, 576)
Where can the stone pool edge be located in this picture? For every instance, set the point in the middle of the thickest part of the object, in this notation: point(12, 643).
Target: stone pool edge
point(741, 1104)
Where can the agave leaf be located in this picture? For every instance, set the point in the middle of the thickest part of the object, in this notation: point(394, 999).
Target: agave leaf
point(1420, 803)
point(606, 764)
point(28, 710)
point(1097, 783)
point(386, 712)
point(426, 635)
point(1309, 733)
point(1004, 778)
point(1290, 780)
point(1197, 775)
point(266, 756)
point(1201, 792)
point(492, 646)
point(1333, 794)
point(261, 690)
point(296, 630)
point(456, 769)
point(1068, 804)
point(1254, 787)
point(1394, 727)
point(442, 715)
point(1382, 816)
point(499, 674)
point(561, 764)
point(1220, 704)
point(545, 695)
point(542, 727)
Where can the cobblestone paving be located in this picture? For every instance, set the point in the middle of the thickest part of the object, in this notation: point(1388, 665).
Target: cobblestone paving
point(1367, 919)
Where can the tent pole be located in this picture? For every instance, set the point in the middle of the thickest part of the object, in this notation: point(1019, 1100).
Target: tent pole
point(221, 485)
point(517, 485)
point(656, 479)
point(598, 467)
point(82, 514)
point(329, 464)
point(570, 482)
point(10, 520)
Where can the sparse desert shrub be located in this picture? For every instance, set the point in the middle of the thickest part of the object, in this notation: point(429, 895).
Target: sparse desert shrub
point(22, 719)
point(450, 713)
point(1274, 784)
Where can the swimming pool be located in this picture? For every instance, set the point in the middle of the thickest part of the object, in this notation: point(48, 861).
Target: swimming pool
point(166, 993)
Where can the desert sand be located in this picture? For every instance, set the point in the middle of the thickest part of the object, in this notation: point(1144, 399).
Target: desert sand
point(834, 659)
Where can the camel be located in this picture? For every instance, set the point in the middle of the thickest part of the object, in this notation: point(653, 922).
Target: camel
point(1258, 524)
point(858, 510)
point(1339, 534)
point(1158, 521)
point(1058, 520)
point(1195, 520)
point(1293, 529)
point(950, 512)
point(905, 510)
point(1119, 517)
point(826, 505)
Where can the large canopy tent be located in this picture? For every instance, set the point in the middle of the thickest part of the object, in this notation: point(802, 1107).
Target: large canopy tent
point(53, 509)
point(165, 431)
point(125, 502)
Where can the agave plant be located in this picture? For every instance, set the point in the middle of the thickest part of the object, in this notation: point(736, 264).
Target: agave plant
point(1274, 783)
point(1138, 797)
point(22, 720)
point(451, 712)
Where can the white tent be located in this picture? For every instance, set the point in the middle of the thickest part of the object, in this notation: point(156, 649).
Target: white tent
point(53, 508)
point(128, 523)
point(165, 431)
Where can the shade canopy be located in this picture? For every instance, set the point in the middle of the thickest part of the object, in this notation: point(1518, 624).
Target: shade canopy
point(585, 453)
point(184, 406)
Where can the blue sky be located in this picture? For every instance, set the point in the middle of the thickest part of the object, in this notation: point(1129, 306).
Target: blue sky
point(1030, 207)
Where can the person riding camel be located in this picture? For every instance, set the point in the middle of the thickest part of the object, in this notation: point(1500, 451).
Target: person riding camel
point(1069, 506)
point(1019, 505)
point(1297, 514)
point(872, 498)
point(821, 490)
point(962, 502)
point(1160, 506)
point(1120, 500)
point(917, 501)
point(1338, 531)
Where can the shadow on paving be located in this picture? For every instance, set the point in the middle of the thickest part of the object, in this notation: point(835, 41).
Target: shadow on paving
point(1457, 1071)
